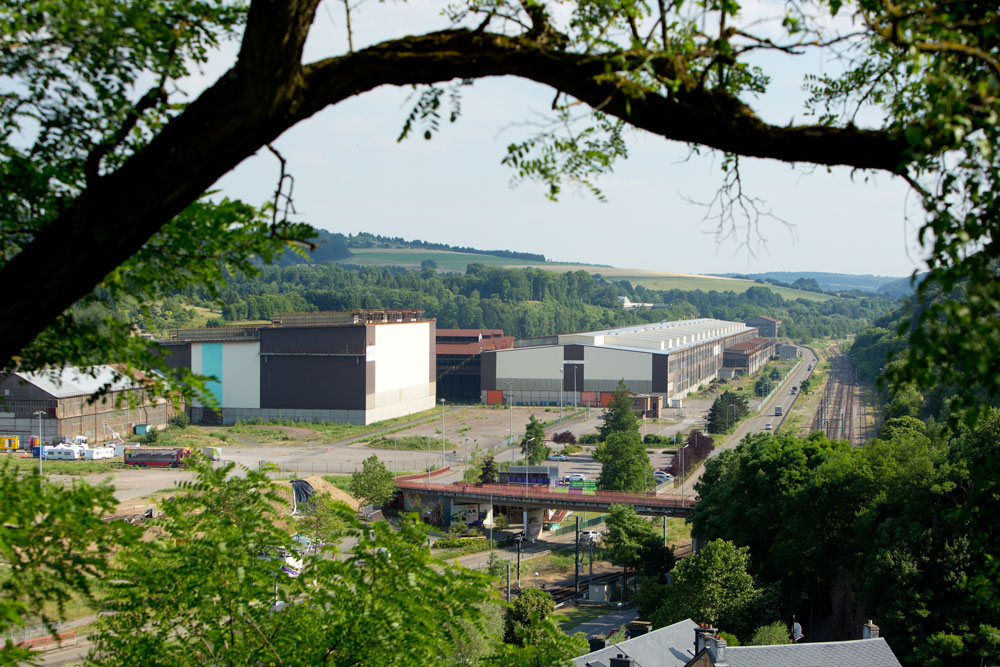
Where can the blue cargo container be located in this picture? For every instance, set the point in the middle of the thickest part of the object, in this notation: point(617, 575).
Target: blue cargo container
point(140, 429)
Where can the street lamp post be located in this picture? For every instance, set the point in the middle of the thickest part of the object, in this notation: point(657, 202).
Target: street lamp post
point(41, 450)
point(560, 393)
point(510, 407)
point(442, 433)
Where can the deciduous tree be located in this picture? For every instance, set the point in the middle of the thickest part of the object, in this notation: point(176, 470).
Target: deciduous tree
point(373, 484)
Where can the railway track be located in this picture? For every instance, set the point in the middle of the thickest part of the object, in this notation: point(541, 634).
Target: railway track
point(842, 414)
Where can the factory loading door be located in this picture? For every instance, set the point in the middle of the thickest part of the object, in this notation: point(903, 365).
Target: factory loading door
point(588, 398)
point(606, 397)
point(494, 397)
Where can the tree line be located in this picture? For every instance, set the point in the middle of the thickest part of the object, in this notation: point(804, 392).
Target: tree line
point(523, 302)
point(892, 531)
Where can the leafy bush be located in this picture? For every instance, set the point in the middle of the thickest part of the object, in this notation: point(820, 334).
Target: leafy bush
point(180, 420)
point(589, 439)
point(566, 437)
point(572, 449)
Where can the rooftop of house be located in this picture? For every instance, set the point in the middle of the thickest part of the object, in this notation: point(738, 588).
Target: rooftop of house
point(665, 647)
point(868, 652)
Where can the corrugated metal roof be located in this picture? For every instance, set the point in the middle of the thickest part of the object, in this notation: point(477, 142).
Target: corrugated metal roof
point(77, 381)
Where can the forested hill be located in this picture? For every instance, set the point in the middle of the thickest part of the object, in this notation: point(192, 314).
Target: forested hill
point(366, 240)
point(522, 302)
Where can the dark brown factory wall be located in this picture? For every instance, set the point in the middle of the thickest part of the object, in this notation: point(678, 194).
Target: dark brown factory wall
point(569, 370)
point(660, 373)
point(488, 373)
point(313, 383)
point(178, 355)
point(573, 352)
point(314, 340)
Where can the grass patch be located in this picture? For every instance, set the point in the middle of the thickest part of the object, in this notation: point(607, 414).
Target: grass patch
point(678, 531)
point(66, 467)
point(571, 617)
point(410, 442)
point(465, 546)
point(553, 562)
point(259, 433)
point(342, 482)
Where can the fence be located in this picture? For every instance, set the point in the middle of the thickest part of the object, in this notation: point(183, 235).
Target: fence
point(586, 523)
point(312, 467)
point(36, 636)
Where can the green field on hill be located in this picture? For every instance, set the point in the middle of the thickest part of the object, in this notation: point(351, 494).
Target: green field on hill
point(657, 280)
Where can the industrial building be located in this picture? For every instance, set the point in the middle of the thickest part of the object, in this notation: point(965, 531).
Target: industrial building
point(355, 367)
point(767, 326)
point(750, 356)
point(789, 351)
point(459, 360)
point(63, 397)
point(671, 359)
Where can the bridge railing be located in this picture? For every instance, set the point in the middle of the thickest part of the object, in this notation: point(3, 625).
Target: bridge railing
point(540, 492)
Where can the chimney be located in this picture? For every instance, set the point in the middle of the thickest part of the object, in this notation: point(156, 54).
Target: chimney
point(597, 643)
point(701, 635)
point(622, 661)
point(717, 647)
point(869, 631)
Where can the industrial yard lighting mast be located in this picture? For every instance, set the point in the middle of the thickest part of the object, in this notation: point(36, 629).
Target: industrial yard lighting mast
point(510, 406)
point(41, 450)
point(560, 393)
point(442, 433)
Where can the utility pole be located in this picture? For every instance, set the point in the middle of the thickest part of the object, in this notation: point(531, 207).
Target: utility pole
point(442, 433)
point(508, 581)
point(590, 585)
point(41, 449)
point(518, 540)
point(510, 407)
point(576, 559)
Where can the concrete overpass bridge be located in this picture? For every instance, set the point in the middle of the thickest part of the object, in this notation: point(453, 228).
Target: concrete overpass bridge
point(418, 494)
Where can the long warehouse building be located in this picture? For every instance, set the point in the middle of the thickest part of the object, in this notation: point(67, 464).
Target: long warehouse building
point(671, 359)
point(354, 367)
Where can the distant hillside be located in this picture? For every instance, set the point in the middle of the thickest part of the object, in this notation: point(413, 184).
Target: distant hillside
point(330, 248)
point(456, 262)
point(366, 241)
point(900, 286)
point(828, 282)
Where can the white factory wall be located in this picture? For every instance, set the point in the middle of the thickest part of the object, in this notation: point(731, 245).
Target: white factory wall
point(241, 375)
point(529, 363)
point(402, 358)
point(196, 369)
point(609, 364)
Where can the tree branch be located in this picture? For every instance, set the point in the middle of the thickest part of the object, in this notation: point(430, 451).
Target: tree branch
point(269, 91)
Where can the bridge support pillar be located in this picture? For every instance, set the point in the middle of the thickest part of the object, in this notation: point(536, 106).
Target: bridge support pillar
point(536, 517)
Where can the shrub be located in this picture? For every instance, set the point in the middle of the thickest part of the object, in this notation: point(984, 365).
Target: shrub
point(572, 449)
point(566, 437)
point(589, 439)
point(180, 420)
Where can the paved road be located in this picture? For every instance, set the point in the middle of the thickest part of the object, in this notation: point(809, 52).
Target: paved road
point(604, 625)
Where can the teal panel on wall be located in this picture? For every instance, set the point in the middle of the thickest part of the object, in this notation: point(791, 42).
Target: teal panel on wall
point(211, 364)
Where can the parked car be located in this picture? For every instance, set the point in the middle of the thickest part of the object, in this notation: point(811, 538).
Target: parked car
point(576, 477)
point(556, 457)
point(589, 536)
point(661, 477)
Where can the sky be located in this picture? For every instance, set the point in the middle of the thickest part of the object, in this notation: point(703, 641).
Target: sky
point(351, 175)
